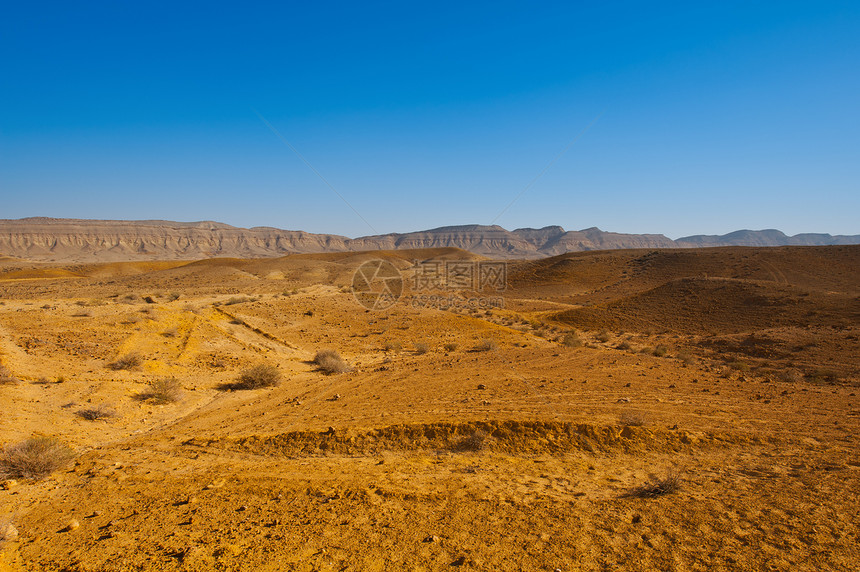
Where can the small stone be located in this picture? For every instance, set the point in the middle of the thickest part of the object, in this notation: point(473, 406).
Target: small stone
point(72, 525)
point(8, 533)
point(482, 386)
point(9, 484)
point(432, 538)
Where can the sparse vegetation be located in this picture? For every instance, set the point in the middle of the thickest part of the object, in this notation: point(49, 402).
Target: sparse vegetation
point(392, 346)
point(126, 362)
point(571, 340)
point(330, 362)
point(170, 332)
point(239, 300)
point(487, 345)
point(633, 418)
point(421, 348)
point(477, 441)
point(164, 390)
point(660, 351)
point(791, 376)
point(603, 336)
point(258, 376)
point(625, 346)
point(739, 366)
point(6, 377)
point(96, 413)
point(450, 347)
point(34, 458)
point(658, 486)
point(686, 359)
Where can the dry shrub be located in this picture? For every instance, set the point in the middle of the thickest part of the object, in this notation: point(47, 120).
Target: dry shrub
point(261, 375)
point(34, 458)
point(625, 346)
point(128, 361)
point(392, 346)
point(164, 390)
point(791, 376)
point(660, 351)
point(6, 377)
point(330, 362)
point(450, 347)
point(421, 348)
point(686, 358)
point(603, 336)
point(96, 413)
point(658, 486)
point(477, 441)
point(487, 345)
point(634, 418)
point(170, 332)
point(571, 340)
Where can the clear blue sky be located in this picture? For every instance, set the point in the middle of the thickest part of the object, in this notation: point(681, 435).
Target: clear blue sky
point(713, 116)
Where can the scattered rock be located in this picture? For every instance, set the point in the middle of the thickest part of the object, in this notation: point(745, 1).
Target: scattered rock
point(482, 386)
point(73, 524)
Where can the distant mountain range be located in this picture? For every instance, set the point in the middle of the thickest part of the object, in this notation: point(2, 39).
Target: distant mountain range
point(48, 239)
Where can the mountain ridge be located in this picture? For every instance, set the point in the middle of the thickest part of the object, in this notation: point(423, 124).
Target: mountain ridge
point(86, 240)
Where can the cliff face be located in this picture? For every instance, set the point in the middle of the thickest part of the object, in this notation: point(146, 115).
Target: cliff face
point(104, 240)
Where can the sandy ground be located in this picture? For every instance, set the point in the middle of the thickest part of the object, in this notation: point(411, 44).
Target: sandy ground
point(520, 454)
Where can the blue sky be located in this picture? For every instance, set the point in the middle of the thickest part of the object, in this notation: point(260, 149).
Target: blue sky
point(711, 117)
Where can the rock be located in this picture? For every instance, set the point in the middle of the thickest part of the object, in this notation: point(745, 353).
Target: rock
point(9, 484)
point(482, 386)
point(73, 524)
point(622, 400)
point(8, 533)
point(432, 538)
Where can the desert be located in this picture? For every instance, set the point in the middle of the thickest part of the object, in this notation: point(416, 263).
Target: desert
point(626, 410)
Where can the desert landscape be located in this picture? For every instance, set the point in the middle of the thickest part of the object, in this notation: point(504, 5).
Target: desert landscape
point(631, 409)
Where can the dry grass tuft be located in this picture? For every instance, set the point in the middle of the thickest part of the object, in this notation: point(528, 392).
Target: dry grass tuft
point(477, 441)
point(450, 347)
point(34, 458)
point(658, 486)
point(128, 361)
point(6, 377)
point(96, 413)
point(330, 362)
point(633, 418)
point(571, 340)
point(261, 375)
point(487, 345)
point(164, 390)
point(421, 348)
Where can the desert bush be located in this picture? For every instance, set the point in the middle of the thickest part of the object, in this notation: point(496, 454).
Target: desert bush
point(633, 418)
point(421, 348)
point(658, 486)
point(660, 351)
point(329, 361)
point(791, 376)
point(603, 336)
point(487, 345)
point(170, 332)
point(392, 346)
point(173, 296)
point(824, 374)
point(128, 361)
point(164, 390)
point(571, 340)
point(96, 413)
point(739, 366)
point(477, 441)
point(625, 346)
point(261, 375)
point(451, 347)
point(34, 458)
point(686, 358)
point(239, 300)
point(6, 377)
